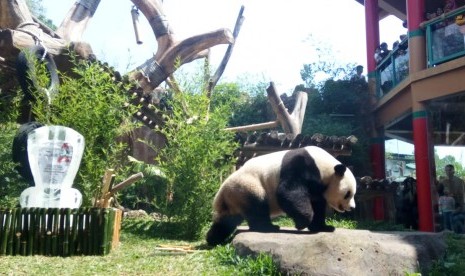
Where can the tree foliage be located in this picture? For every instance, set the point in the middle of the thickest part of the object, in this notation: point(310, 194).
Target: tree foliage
point(195, 160)
point(38, 10)
point(448, 159)
point(91, 103)
point(248, 103)
point(338, 104)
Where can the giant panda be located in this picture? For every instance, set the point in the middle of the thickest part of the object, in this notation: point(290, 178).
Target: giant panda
point(298, 182)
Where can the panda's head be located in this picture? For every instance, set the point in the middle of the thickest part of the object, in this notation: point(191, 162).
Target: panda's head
point(341, 189)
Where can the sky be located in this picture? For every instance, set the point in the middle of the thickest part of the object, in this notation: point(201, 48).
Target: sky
point(276, 39)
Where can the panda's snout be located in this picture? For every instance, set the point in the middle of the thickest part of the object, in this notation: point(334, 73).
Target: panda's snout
point(343, 208)
point(352, 204)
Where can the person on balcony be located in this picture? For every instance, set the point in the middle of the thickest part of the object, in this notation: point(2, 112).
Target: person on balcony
point(358, 73)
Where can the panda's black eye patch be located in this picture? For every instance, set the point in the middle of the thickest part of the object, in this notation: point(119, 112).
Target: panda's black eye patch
point(347, 195)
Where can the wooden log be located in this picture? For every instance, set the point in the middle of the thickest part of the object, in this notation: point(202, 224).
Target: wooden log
point(118, 215)
point(17, 238)
point(107, 180)
point(74, 232)
point(157, 69)
point(95, 231)
point(43, 230)
point(75, 22)
point(81, 245)
point(153, 11)
point(130, 180)
point(6, 233)
point(255, 126)
point(2, 229)
point(55, 231)
point(219, 72)
point(20, 30)
point(104, 243)
point(291, 123)
point(14, 13)
point(36, 233)
point(66, 233)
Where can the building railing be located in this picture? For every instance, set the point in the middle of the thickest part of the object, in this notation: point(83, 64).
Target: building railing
point(445, 37)
point(445, 41)
point(393, 68)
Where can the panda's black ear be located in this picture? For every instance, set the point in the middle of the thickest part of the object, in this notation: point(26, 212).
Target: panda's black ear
point(340, 170)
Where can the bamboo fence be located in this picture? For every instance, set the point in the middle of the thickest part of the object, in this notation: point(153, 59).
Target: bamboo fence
point(59, 232)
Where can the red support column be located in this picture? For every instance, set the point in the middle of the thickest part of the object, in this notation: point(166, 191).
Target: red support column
point(424, 156)
point(372, 32)
point(377, 157)
point(415, 14)
point(377, 162)
point(377, 143)
point(423, 168)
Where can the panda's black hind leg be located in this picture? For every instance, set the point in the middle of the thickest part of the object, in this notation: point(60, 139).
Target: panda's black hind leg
point(257, 216)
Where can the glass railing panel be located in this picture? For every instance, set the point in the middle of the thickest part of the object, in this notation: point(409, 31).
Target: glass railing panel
point(393, 69)
point(445, 37)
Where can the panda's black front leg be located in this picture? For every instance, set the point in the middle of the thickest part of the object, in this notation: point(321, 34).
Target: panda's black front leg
point(318, 223)
point(257, 216)
point(296, 203)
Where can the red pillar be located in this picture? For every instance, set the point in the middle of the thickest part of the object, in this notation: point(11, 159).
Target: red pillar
point(377, 161)
point(415, 14)
point(372, 41)
point(377, 157)
point(377, 143)
point(372, 32)
point(424, 156)
point(423, 168)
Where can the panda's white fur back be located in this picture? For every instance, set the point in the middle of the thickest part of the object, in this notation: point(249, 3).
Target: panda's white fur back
point(258, 176)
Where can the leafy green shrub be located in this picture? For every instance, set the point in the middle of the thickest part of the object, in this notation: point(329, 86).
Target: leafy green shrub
point(195, 160)
point(11, 183)
point(453, 262)
point(262, 264)
point(91, 103)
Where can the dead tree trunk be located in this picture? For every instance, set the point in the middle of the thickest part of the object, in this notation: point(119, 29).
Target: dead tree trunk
point(170, 50)
point(291, 123)
point(73, 26)
point(18, 30)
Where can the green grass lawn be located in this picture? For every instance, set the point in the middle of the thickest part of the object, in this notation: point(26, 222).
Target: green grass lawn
point(139, 254)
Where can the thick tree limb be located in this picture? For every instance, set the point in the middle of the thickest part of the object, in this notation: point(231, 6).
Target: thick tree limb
point(23, 32)
point(254, 127)
point(171, 53)
point(214, 80)
point(13, 13)
point(291, 123)
point(75, 22)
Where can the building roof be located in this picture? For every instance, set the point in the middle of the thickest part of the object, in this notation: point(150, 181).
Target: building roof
point(390, 7)
point(398, 8)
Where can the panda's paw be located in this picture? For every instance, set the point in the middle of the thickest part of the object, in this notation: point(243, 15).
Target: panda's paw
point(300, 226)
point(321, 228)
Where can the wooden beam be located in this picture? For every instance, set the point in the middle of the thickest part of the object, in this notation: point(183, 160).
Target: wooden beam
point(75, 22)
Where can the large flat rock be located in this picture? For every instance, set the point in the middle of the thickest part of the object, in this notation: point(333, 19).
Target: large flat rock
point(345, 252)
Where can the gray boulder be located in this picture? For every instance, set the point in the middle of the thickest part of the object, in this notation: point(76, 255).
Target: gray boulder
point(345, 252)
